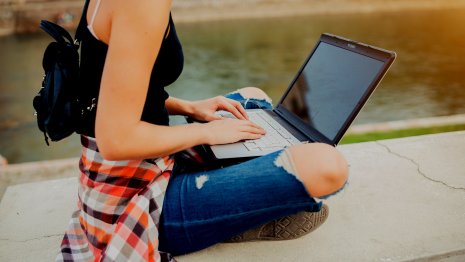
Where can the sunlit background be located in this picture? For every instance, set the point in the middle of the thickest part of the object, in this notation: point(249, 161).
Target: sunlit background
point(426, 80)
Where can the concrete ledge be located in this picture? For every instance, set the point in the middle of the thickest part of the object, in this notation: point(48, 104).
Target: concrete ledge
point(33, 218)
point(36, 171)
point(405, 202)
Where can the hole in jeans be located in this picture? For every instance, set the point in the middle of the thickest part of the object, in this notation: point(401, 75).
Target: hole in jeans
point(200, 181)
point(284, 160)
point(265, 99)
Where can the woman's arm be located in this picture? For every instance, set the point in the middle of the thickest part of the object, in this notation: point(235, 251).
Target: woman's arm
point(136, 34)
point(204, 110)
point(176, 106)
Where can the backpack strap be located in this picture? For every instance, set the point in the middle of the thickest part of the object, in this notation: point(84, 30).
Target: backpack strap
point(82, 24)
point(57, 32)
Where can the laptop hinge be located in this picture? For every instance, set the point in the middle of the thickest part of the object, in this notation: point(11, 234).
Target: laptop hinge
point(296, 131)
point(305, 130)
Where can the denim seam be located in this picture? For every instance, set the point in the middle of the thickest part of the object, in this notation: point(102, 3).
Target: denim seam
point(181, 194)
point(297, 204)
point(245, 102)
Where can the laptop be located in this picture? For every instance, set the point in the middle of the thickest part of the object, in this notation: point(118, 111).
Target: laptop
point(321, 102)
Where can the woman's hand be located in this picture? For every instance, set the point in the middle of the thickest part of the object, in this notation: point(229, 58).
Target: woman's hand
point(228, 130)
point(204, 110)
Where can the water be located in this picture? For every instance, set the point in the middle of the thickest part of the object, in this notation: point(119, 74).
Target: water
point(426, 80)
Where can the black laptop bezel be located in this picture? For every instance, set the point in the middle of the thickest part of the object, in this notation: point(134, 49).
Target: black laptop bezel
point(385, 56)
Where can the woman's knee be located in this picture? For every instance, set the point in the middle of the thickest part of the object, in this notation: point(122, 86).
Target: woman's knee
point(253, 92)
point(320, 167)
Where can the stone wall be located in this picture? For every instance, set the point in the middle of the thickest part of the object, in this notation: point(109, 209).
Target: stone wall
point(25, 15)
point(22, 16)
point(19, 16)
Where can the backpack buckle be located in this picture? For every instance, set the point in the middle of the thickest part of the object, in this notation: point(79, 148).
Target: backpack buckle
point(92, 105)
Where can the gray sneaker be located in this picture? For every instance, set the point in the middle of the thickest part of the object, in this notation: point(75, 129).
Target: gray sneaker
point(286, 228)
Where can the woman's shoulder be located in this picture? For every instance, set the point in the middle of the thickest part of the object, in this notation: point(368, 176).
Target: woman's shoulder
point(143, 18)
point(140, 11)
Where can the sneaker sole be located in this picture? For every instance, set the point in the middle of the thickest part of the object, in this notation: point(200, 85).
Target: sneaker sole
point(286, 228)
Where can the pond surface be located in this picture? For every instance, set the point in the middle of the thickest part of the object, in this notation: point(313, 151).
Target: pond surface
point(427, 79)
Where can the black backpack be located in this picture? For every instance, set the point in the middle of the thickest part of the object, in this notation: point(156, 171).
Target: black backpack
point(57, 105)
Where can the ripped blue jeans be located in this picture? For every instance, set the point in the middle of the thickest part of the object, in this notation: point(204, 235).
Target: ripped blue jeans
point(203, 208)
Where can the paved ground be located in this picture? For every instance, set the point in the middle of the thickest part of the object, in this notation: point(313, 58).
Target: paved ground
point(405, 202)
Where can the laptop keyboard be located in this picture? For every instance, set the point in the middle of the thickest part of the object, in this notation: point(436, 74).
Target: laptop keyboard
point(276, 136)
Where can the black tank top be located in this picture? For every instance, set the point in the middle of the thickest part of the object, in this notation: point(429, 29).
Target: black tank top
point(167, 68)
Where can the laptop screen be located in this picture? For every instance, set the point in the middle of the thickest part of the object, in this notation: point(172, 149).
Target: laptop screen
point(330, 86)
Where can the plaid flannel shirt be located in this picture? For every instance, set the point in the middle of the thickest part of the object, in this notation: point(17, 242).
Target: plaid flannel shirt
point(119, 206)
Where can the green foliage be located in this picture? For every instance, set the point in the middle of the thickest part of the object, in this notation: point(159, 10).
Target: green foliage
point(372, 136)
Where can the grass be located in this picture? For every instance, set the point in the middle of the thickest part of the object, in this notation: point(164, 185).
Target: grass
point(372, 136)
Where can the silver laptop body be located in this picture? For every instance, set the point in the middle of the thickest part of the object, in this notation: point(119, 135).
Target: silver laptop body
point(321, 102)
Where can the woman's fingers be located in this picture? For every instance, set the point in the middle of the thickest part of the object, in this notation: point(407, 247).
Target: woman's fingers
point(252, 128)
point(239, 107)
point(251, 131)
point(251, 136)
point(229, 130)
point(233, 110)
point(233, 107)
point(213, 117)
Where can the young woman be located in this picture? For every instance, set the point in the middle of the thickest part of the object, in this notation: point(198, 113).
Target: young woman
point(130, 53)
